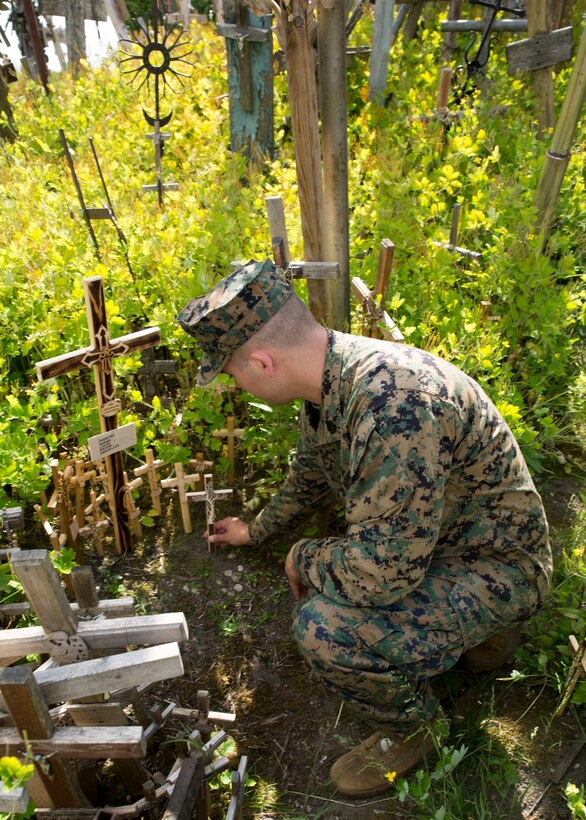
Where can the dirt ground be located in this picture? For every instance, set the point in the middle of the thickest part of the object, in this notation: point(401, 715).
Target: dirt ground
point(237, 604)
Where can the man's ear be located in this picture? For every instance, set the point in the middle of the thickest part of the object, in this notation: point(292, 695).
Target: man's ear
point(264, 360)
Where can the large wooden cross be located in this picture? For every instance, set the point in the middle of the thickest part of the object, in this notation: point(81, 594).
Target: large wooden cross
point(99, 355)
point(230, 433)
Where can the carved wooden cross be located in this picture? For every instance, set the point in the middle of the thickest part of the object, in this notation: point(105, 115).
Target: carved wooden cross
point(210, 496)
point(180, 482)
point(78, 481)
point(150, 470)
point(99, 355)
point(229, 433)
point(133, 511)
point(98, 521)
point(200, 465)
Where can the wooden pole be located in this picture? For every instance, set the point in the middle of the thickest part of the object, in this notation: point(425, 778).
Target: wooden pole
point(35, 35)
point(558, 155)
point(381, 46)
point(450, 36)
point(294, 28)
point(75, 34)
point(334, 119)
point(537, 23)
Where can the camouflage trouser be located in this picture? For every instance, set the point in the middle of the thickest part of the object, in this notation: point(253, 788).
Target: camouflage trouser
point(379, 660)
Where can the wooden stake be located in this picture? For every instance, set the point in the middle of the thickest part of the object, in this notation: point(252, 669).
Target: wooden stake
point(133, 511)
point(180, 482)
point(229, 433)
point(538, 23)
point(79, 481)
point(99, 356)
point(150, 470)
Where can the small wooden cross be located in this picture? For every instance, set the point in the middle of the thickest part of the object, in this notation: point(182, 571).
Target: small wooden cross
point(150, 370)
point(78, 481)
point(452, 245)
point(180, 482)
point(199, 465)
point(99, 355)
point(210, 496)
point(98, 521)
point(150, 470)
point(133, 511)
point(375, 314)
point(230, 433)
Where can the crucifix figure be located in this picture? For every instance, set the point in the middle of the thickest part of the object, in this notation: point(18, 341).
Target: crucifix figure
point(210, 496)
point(229, 433)
point(99, 355)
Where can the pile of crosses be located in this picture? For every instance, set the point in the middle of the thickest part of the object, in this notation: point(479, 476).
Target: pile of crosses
point(84, 704)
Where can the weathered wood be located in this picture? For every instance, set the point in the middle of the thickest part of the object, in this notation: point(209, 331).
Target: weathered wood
point(278, 230)
point(151, 369)
point(449, 37)
point(84, 587)
point(78, 482)
point(109, 674)
point(187, 788)
point(92, 9)
point(107, 634)
point(225, 719)
point(234, 811)
point(538, 21)
point(75, 33)
point(32, 23)
point(42, 587)
point(87, 742)
point(381, 46)
point(540, 51)
point(514, 24)
point(389, 329)
point(331, 40)
point(99, 356)
point(294, 30)
point(13, 801)
point(23, 699)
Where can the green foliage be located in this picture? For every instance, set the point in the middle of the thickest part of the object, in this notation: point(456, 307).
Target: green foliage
point(575, 799)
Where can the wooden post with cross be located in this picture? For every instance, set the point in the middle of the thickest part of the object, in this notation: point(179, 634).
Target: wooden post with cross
point(99, 355)
point(452, 245)
point(150, 371)
point(180, 482)
point(249, 49)
point(79, 481)
point(377, 322)
point(200, 465)
point(230, 433)
point(210, 496)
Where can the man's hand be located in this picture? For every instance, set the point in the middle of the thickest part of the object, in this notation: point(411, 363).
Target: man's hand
point(299, 590)
point(231, 532)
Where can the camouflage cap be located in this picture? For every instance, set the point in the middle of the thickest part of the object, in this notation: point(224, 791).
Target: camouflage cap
point(232, 312)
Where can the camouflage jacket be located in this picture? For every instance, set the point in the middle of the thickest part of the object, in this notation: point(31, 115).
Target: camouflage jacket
point(430, 476)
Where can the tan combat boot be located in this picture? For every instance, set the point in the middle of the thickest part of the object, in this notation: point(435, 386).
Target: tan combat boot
point(493, 652)
point(362, 772)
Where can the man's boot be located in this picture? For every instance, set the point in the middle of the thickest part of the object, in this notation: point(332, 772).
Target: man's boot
point(493, 652)
point(362, 772)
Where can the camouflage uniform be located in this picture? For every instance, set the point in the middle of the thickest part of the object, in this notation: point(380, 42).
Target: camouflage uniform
point(447, 540)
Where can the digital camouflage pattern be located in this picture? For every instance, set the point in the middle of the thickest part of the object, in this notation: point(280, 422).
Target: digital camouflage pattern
point(232, 312)
point(447, 541)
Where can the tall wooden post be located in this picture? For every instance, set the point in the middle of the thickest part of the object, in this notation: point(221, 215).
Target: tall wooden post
point(538, 23)
point(75, 34)
point(381, 46)
point(294, 27)
point(334, 119)
point(249, 48)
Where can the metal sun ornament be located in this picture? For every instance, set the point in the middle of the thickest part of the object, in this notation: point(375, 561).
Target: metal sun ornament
point(157, 58)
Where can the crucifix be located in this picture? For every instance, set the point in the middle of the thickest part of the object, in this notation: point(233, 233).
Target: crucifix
point(180, 482)
point(210, 496)
point(377, 322)
point(79, 481)
point(150, 470)
point(12, 520)
point(230, 433)
point(99, 355)
point(98, 522)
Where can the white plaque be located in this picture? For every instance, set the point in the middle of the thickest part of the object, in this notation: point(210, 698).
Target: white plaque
point(105, 444)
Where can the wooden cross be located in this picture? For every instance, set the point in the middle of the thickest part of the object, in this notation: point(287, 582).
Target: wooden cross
point(78, 481)
point(99, 355)
point(60, 502)
point(150, 370)
point(378, 323)
point(99, 522)
point(150, 470)
point(452, 245)
point(180, 482)
point(229, 433)
point(12, 520)
point(200, 465)
point(210, 496)
point(133, 511)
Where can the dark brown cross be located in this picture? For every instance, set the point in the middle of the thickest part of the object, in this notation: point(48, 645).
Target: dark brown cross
point(99, 356)
point(150, 370)
point(377, 322)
